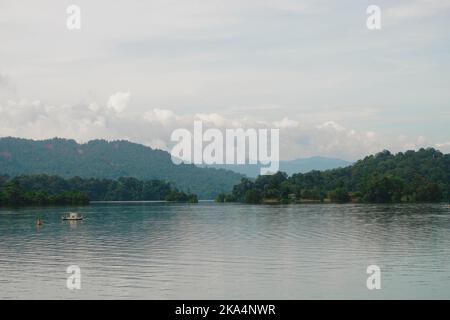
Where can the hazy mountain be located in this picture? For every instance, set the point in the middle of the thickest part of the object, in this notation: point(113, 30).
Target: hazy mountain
point(313, 163)
point(111, 160)
point(290, 167)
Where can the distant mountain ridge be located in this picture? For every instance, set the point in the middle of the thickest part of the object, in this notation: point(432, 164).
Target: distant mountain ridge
point(109, 160)
point(291, 167)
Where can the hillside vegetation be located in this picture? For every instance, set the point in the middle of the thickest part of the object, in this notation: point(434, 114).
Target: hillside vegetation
point(413, 176)
point(109, 160)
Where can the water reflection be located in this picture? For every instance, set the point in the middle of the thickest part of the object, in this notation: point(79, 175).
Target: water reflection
point(227, 251)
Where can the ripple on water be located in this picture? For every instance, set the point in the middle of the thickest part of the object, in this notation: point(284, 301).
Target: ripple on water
point(209, 250)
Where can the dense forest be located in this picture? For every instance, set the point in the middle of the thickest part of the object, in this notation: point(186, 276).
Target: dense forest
point(46, 190)
point(13, 194)
point(110, 160)
point(412, 176)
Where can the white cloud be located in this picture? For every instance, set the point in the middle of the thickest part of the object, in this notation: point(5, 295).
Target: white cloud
point(286, 123)
point(405, 143)
point(119, 101)
point(331, 125)
point(116, 120)
point(371, 135)
point(443, 146)
point(213, 119)
point(162, 116)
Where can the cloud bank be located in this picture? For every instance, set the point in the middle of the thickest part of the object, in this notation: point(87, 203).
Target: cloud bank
point(117, 119)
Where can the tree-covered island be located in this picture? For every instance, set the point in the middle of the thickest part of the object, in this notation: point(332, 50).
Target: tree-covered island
point(413, 176)
point(54, 190)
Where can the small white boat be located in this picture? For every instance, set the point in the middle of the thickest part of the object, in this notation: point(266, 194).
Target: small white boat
point(73, 216)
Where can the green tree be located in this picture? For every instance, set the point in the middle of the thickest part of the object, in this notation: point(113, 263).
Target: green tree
point(253, 196)
point(339, 195)
point(430, 192)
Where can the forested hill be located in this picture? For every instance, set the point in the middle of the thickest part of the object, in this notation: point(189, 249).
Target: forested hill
point(412, 176)
point(109, 160)
point(414, 170)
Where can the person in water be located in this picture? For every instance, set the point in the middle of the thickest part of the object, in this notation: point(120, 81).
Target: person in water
point(39, 222)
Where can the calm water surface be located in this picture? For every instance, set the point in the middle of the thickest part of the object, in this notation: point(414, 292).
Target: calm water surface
point(209, 251)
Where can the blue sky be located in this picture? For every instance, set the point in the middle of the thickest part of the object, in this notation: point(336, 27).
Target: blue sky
point(311, 67)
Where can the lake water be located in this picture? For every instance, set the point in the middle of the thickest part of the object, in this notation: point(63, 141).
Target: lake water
point(229, 251)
